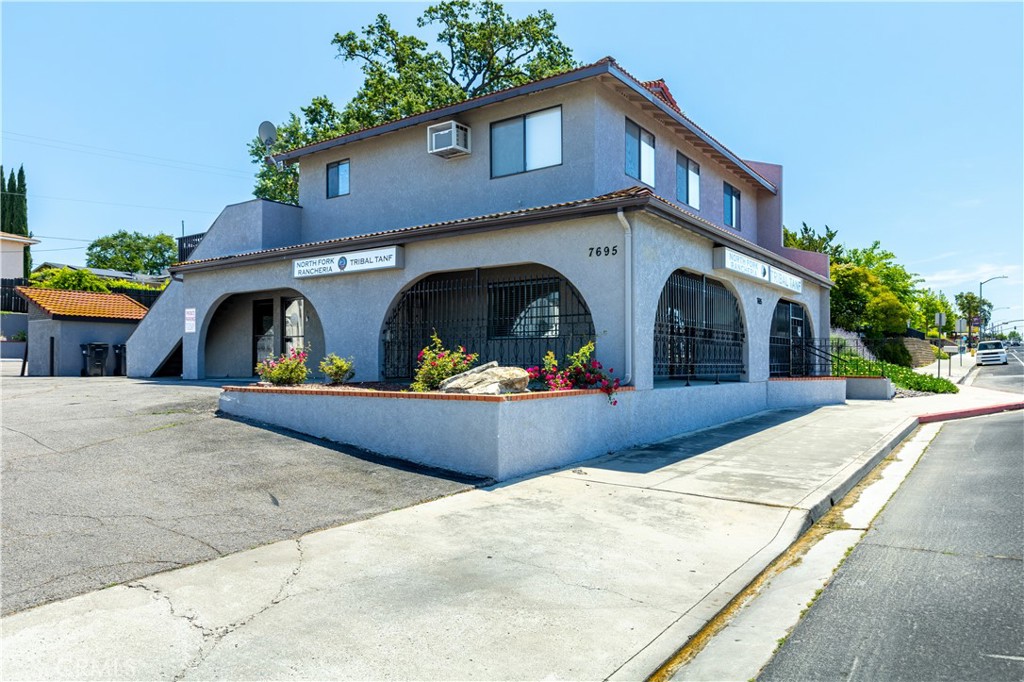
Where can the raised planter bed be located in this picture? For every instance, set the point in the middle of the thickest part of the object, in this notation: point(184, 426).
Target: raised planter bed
point(502, 437)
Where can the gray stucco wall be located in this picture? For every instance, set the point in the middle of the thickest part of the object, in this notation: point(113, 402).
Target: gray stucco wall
point(352, 307)
point(502, 440)
point(394, 182)
point(67, 337)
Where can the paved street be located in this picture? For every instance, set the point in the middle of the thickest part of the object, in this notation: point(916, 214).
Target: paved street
point(934, 591)
point(108, 479)
point(1008, 377)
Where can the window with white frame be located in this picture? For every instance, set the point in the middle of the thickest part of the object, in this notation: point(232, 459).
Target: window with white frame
point(732, 206)
point(639, 153)
point(688, 181)
point(526, 143)
point(337, 179)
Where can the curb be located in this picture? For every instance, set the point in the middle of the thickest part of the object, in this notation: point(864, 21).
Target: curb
point(847, 480)
point(970, 412)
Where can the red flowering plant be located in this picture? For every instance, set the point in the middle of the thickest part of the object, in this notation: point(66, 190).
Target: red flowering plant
point(436, 363)
point(288, 370)
point(581, 371)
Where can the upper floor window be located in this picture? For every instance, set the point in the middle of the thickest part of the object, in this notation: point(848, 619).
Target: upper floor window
point(639, 153)
point(688, 181)
point(526, 143)
point(732, 206)
point(337, 179)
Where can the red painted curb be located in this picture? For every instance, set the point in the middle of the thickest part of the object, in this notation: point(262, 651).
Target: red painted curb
point(972, 412)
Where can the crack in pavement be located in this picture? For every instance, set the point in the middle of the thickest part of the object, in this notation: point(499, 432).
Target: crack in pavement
point(33, 439)
point(943, 552)
point(212, 636)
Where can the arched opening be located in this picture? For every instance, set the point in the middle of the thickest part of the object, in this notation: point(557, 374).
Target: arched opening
point(513, 315)
point(698, 331)
point(787, 350)
point(246, 328)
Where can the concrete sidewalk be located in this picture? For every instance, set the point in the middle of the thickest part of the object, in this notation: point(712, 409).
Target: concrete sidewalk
point(956, 369)
point(601, 571)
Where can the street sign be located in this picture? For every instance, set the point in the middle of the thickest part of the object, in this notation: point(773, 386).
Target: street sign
point(961, 326)
point(940, 319)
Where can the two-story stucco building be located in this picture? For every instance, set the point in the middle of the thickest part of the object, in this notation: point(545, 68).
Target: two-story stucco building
point(581, 206)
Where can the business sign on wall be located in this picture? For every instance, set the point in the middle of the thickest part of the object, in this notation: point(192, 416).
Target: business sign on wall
point(727, 259)
point(386, 258)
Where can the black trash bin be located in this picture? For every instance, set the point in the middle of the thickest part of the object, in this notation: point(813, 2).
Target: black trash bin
point(94, 359)
point(120, 360)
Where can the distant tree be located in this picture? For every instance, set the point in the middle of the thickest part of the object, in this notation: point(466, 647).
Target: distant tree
point(809, 240)
point(885, 314)
point(971, 306)
point(882, 264)
point(68, 280)
point(10, 206)
point(483, 50)
point(132, 252)
point(927, 304)
point(21, 217)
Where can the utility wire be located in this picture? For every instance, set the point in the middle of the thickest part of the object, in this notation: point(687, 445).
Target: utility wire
point(111, 203)
point(126, 156)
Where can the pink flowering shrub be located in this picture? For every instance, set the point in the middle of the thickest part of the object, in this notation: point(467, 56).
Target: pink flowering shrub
point(437, 363)
point(288, 370)
point(581, 371)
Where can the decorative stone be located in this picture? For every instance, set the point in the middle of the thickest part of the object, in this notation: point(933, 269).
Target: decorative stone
point(488, 379)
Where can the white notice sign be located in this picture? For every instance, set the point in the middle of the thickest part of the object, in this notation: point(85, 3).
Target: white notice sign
point(386, 258)
point(727, 259)
point(190, 320)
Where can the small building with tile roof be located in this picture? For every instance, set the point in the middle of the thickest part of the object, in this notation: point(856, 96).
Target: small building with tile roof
point(586, 206)
point(60, 322)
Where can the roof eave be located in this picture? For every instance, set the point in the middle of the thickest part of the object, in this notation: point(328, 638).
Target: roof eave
point(453, 110)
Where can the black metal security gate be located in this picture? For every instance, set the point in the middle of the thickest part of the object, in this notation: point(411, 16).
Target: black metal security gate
point(698, 330)
point(786, 348)
point(512, 315)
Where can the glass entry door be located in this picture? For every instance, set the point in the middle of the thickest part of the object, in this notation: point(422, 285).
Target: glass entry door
point(262, 330)
point(293, 322)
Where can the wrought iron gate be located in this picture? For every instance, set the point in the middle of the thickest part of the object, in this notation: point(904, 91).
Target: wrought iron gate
point(698, 330)
point(786, 347)
point(512, 315)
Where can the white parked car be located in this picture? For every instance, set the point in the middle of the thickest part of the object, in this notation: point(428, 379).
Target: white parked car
point(990, 353)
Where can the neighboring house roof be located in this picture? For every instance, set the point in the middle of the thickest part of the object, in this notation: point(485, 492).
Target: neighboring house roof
point(632, 198)
point(141, 277)
point(20, 238)
point(84, 304)
point(653, 93)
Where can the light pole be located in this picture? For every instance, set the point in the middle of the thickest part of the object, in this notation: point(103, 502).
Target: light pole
point(980, 299)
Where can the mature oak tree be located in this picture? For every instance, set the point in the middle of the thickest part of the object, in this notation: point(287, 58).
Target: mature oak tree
point(482, 50)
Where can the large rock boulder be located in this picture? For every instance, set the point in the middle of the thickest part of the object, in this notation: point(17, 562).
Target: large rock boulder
point(489, 379)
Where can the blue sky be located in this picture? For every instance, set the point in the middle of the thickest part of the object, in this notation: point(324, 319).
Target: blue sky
point(897, 122)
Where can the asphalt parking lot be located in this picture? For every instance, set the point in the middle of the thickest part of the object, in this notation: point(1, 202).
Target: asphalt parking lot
point(109, 479)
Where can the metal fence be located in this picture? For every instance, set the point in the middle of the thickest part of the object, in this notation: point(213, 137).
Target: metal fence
point(698, 330)
point(188, 244)
point(832, 356)
point(512, 315)
point(146, 297)
point(9, 300)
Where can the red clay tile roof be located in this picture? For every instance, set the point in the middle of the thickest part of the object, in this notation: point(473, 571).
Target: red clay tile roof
point(84, 304)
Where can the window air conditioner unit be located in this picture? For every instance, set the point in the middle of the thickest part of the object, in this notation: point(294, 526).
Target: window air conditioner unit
point(448, 140)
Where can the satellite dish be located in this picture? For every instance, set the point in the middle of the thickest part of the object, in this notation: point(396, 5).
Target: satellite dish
point(268, 134)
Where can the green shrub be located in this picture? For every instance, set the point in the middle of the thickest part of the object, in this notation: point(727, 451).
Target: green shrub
point(890, 350)
point(939, 353)
point(437, 363)
point(20, 335)
point(580, 371)
point(68, 280)
point(903, 377)
point(288, 370)
point(338, 370)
